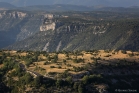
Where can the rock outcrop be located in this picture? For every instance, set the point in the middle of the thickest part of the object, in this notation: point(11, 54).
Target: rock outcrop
point(14, 14)
point(48, 26)
point(48, 23)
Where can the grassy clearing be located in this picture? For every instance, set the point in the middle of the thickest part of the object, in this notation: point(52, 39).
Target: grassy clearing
point(73, 61)
point(60, 66)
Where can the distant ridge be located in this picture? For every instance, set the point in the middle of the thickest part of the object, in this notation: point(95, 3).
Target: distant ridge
point(59, 7)
point(6, 5)
point(113, 3)
point(68, 7)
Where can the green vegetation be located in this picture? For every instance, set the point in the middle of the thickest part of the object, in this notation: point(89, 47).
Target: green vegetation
point(16, 75)
point(78, 31)
point(16, 28)
point(76, 66)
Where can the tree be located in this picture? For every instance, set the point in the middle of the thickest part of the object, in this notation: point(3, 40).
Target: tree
point(53, 60)
point(1, 61)
point(85, 79)
point(80, 88)
point(49, 58)
point(56, 57)
point(75, 86)
point(69, 79)
point(67, 55)
point(64, 60)
point(35, 58)
point(58, 83)
point(75, 60)
point(96, 78)
point(124, 51)
point(96, 62)
point(15, 90)
point(37, 81)
point(28, 78)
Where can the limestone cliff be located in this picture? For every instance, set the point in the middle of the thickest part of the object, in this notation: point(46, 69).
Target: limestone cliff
point(48, 26)
point(48, 23)
point(13, 14)
point(16, 25)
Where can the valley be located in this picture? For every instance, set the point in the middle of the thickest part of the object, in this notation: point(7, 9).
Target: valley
point(68, 49)
point(57, 31)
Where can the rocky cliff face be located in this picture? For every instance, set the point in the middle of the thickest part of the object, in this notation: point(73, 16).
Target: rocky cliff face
point(84, 36)
point(48, 23)
point(48, 26)
point(13, 14)
point(50, 32)
point(18, 25)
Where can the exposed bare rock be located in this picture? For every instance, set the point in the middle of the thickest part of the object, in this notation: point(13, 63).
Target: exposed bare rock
point(59, 45)
point(49, 16)
point(46, 47)
point(14, 14)
point(48, 26)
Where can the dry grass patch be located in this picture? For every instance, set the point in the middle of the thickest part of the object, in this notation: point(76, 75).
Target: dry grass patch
point(23, 54)
point(60, 66)
point(61, 56)
point(56, 70)
point(1, 65)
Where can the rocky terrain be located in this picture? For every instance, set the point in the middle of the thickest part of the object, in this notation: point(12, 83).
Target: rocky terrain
point(80, 35)
point(56, 31)
point(69, 49)
point(18, 25)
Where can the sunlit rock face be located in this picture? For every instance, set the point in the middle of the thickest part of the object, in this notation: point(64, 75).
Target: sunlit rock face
point(48, 23)
point(48, 26)
point(14, 14)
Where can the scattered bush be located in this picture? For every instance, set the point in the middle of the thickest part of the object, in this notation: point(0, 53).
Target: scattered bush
point(52, 66)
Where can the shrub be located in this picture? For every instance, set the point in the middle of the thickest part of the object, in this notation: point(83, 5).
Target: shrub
point(52, 66)
point(59, 67)
point(46, 63)
point(123, 51)
point(64, 60)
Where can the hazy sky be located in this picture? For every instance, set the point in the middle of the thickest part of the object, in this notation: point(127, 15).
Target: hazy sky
point(75, 2)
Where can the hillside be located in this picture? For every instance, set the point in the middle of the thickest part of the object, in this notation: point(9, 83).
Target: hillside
point(81, 34)
point(70, 7)
point(70, 49)
point(117, 3)
point(5, 6)
point(65, 7)
point(16, 25)
point(56, 31)
point(100, 71)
